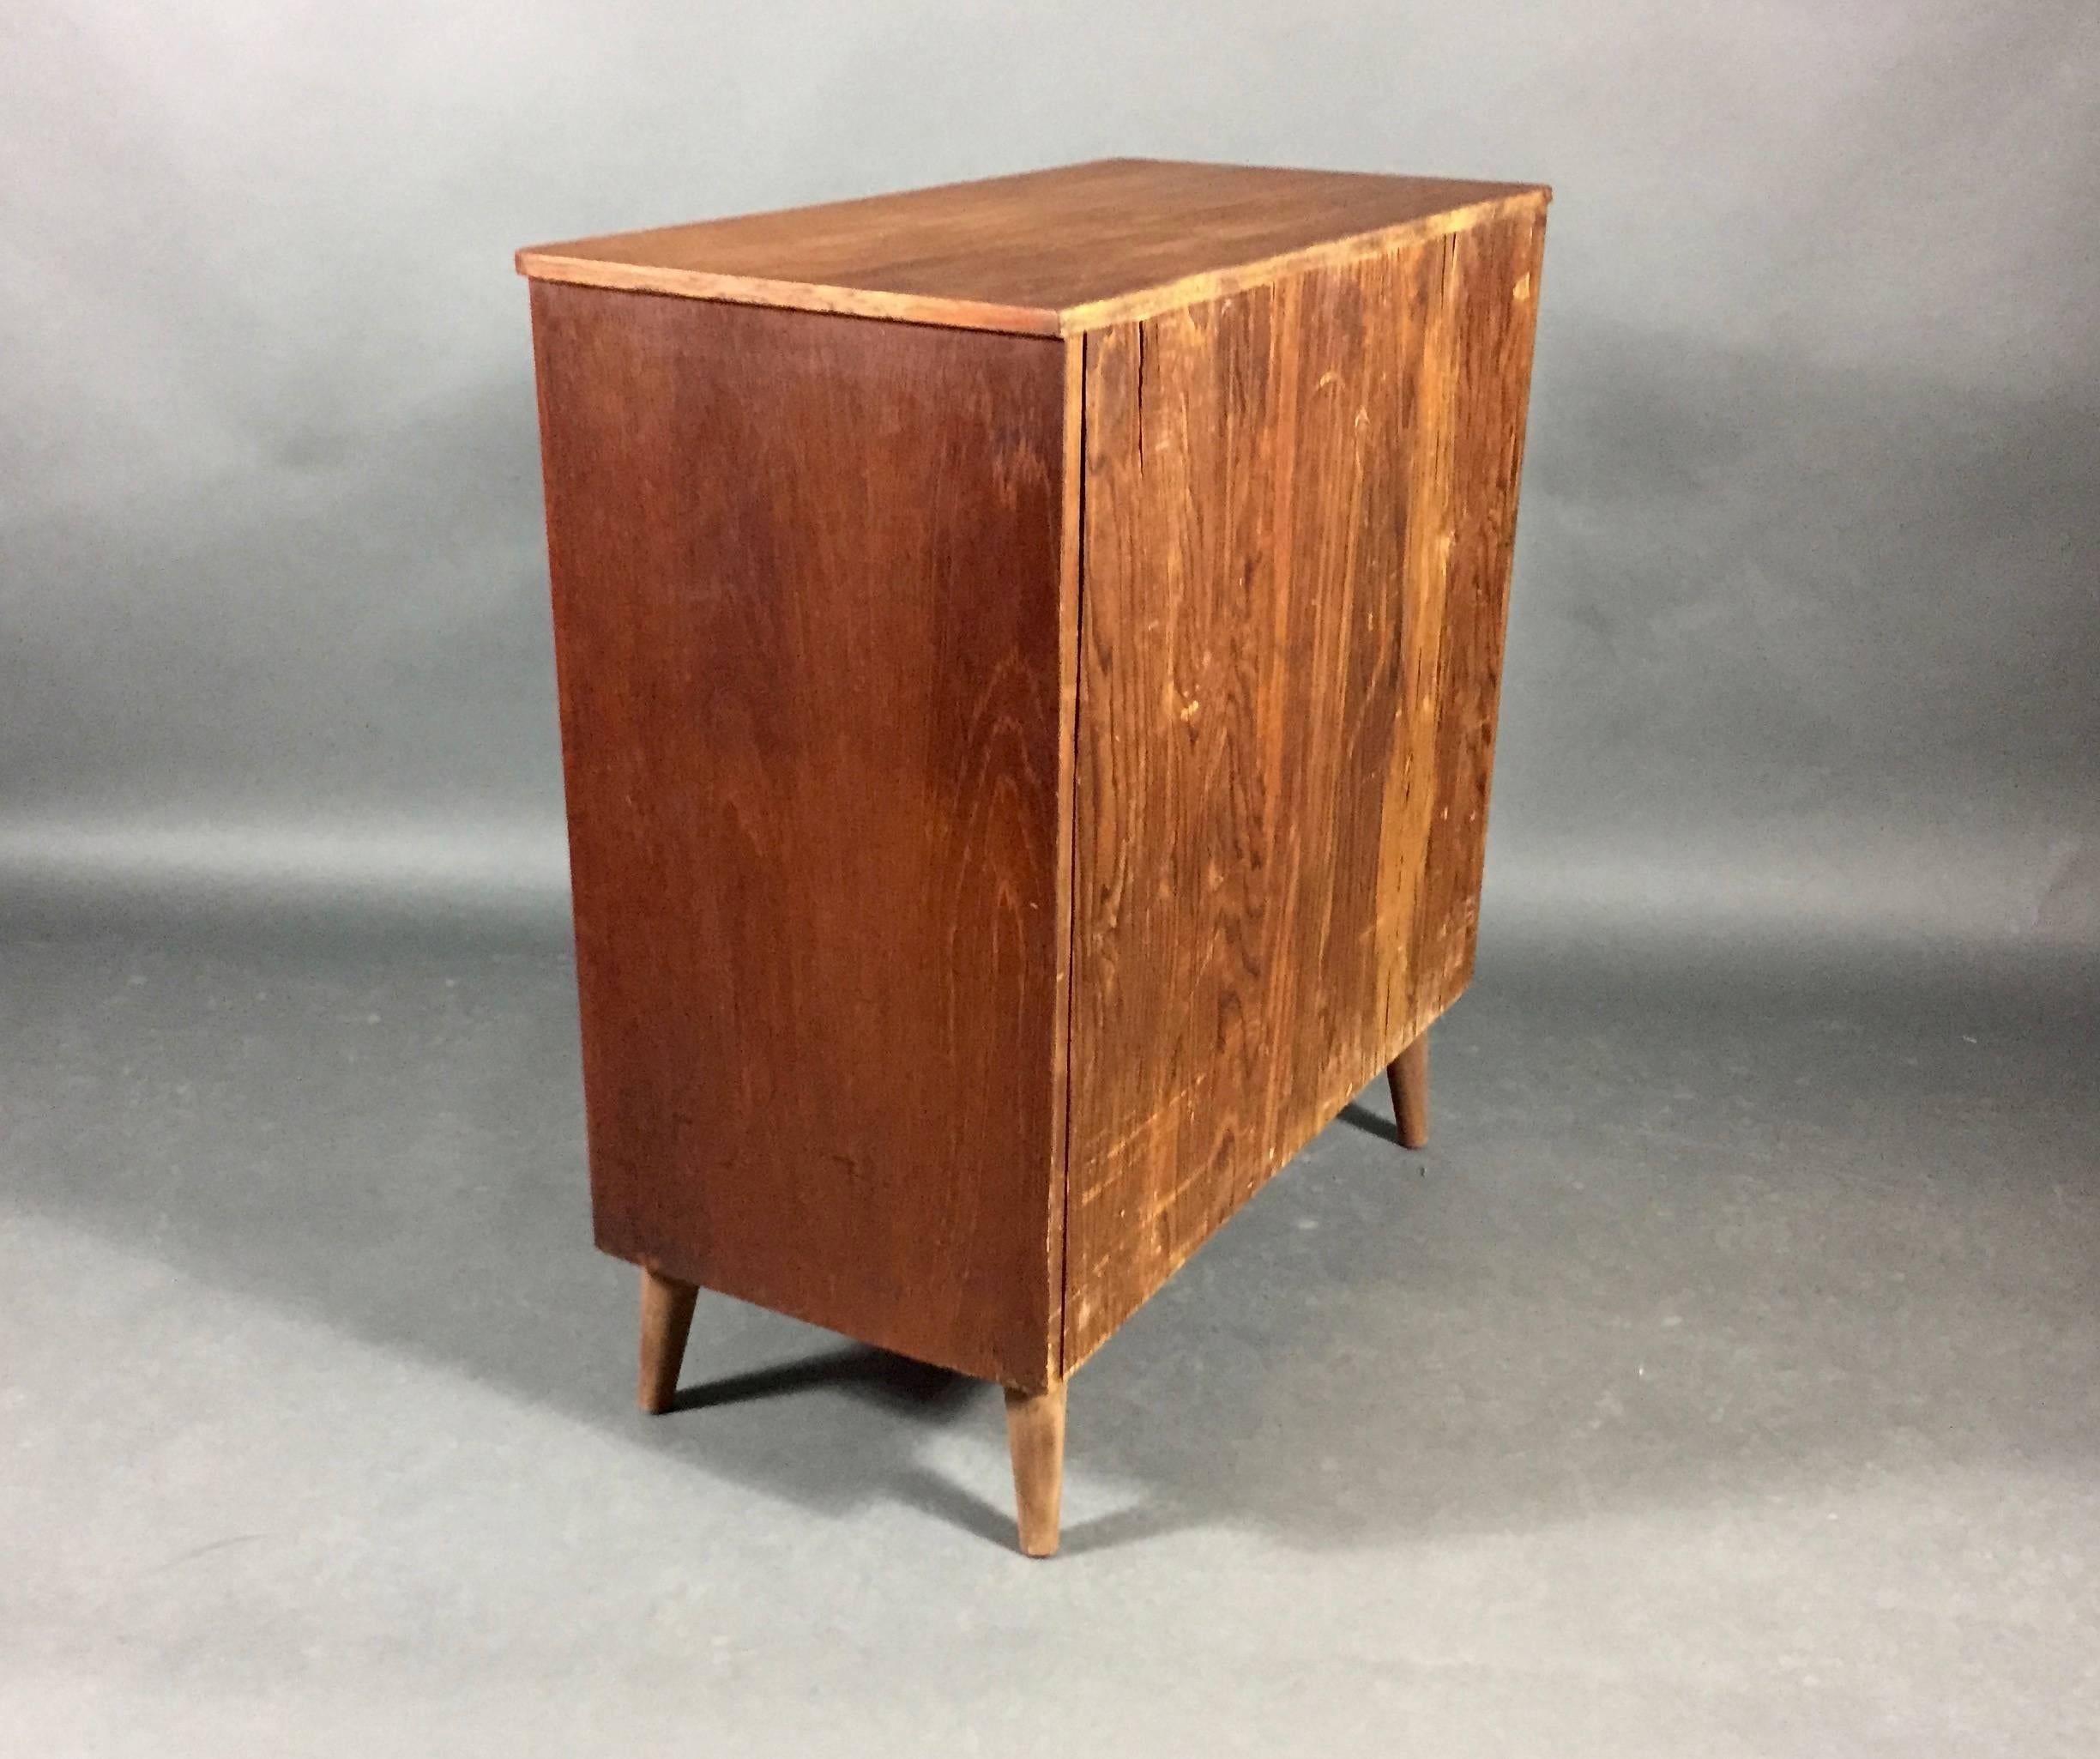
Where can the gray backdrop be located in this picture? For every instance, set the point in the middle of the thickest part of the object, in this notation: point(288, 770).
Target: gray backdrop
point(1724, 1380)
point(1804, 635)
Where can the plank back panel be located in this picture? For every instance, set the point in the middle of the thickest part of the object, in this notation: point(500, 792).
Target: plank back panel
point(812, 627)
point(1298, 507)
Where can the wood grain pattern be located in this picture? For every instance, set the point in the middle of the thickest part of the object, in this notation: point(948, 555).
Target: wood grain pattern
point(1299, 508)
point(1459, 611)
point(1049, 252)
point(812, 627)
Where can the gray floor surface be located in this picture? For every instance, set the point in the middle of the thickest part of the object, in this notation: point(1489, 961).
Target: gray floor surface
point(1724, 1380)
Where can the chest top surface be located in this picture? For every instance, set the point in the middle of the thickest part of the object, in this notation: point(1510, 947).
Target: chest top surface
point(1046, 252)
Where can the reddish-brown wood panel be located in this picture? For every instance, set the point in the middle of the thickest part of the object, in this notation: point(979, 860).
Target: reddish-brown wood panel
point(1298, 505)
point(811, 627)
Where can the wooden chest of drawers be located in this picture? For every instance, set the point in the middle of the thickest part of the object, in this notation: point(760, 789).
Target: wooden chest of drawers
point(1028, 655)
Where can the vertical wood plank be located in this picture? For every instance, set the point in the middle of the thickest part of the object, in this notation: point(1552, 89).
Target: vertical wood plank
point(1494, 278)
point(1071, 588)
point(1428, 391)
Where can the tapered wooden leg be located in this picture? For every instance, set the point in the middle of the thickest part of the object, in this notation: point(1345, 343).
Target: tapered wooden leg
point(1036, 1435)
point(1409, 1078)
point(667, 1317)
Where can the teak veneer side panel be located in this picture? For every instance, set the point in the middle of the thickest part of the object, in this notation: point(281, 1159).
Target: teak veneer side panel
point(1046, 252)
point(811, 624)
point(1298, 505)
